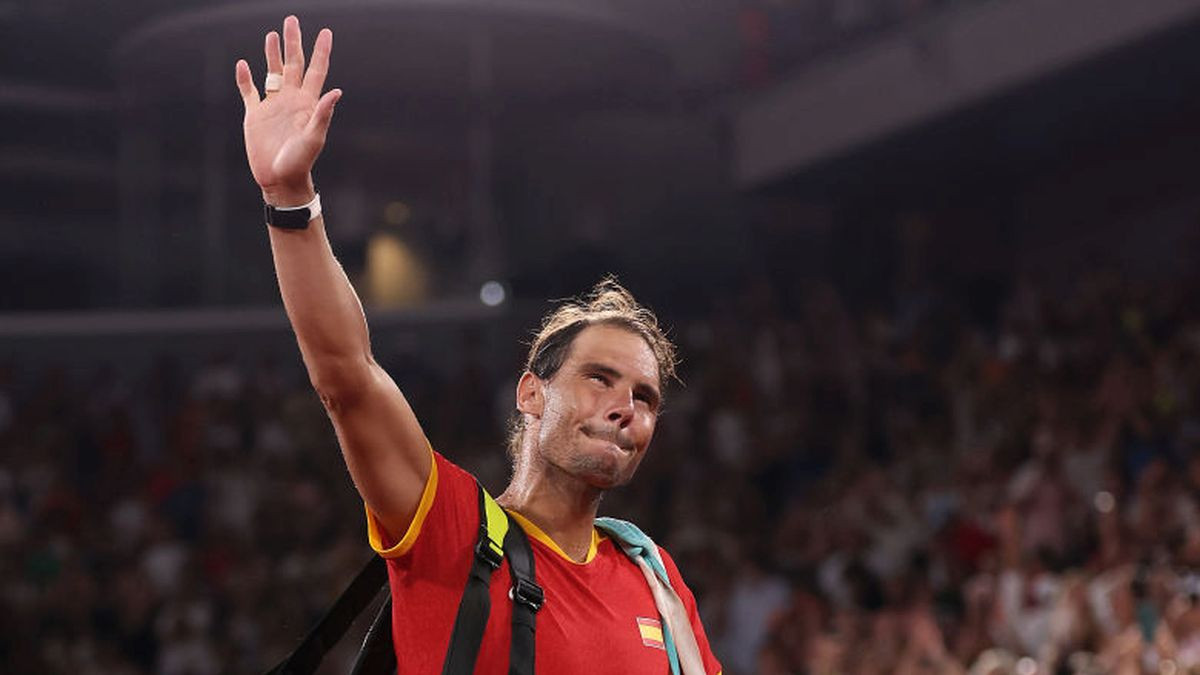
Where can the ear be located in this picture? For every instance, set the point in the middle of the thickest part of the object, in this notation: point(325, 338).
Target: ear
point(531, 394)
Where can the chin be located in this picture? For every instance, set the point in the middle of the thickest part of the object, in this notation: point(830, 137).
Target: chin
point(602, 473)
point(598, 465)
point(606, 482)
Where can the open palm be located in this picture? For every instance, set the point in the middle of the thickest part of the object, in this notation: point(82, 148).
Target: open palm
point(285, 130)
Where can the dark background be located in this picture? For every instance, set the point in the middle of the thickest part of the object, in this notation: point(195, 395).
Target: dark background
point(931, 265)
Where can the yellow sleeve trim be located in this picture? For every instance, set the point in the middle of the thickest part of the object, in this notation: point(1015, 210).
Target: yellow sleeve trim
point(537, 533)
point(375, 532)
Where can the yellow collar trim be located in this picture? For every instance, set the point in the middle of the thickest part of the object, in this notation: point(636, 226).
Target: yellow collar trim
point(537, 533)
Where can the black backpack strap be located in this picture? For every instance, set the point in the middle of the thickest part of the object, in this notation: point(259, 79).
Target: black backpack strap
point(377, 655)
point(498, 537)
point(476, 604)
point(527, 599)
point(361, 591)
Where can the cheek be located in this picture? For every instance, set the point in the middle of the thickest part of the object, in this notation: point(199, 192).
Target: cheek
point(558, 412)
point(645, 429)
point(580, 403)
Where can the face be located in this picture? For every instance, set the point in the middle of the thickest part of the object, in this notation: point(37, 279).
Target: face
point(594, 418)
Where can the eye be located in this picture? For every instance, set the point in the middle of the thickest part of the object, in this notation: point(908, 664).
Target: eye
point(598, 377)
point(649, 400)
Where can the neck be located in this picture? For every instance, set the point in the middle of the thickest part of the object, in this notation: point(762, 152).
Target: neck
point(563, 506)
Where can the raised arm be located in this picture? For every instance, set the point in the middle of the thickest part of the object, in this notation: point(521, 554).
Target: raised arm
point(382, 442)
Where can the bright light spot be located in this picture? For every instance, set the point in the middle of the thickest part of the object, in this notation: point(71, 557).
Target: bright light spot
point(1026, 666)
point(492, 293)
point(396, 275)
point(396, 213)
point(1104, 502)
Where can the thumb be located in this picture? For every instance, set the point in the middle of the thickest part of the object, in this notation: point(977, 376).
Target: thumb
point(318, 124)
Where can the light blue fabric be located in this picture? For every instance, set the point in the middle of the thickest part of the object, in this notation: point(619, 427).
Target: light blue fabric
point(636, 544)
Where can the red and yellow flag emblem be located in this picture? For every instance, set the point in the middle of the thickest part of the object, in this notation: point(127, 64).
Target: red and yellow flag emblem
point(651, 632)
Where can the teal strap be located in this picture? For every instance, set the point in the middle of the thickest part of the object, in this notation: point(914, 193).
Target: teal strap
point(637, 544)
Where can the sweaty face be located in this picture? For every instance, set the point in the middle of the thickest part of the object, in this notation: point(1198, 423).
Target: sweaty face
point(598, 412)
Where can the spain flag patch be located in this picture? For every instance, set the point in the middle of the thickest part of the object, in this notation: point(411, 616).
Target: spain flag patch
point(651, 632)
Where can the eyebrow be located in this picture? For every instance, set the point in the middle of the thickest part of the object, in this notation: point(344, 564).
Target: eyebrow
point(642, 388)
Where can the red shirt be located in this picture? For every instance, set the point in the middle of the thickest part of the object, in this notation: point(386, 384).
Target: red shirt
point(599, 616)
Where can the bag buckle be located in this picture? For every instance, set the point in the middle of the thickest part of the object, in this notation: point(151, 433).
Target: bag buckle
point(485, 552)
point(527, 593)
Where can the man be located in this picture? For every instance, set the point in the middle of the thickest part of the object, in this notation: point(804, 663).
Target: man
point(587, 406)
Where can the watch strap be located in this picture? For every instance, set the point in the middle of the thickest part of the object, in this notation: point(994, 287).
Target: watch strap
point(292, 217)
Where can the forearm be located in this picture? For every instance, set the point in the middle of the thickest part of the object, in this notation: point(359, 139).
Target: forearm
point(385, 449)
point(322, 306)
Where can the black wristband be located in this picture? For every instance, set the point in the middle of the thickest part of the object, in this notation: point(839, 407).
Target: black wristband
point(292, 218)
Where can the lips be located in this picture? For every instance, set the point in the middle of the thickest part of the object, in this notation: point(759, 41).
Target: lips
point(609, 436)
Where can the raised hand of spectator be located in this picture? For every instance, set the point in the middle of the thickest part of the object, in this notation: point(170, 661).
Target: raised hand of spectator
point(926, 647)
point(285, 130)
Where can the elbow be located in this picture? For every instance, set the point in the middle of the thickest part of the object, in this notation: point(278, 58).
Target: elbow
point(341, 382)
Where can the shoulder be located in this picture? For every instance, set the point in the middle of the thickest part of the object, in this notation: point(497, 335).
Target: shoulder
point(456, 494)
point(672, 569)
point(452, 475)
point(449, 503)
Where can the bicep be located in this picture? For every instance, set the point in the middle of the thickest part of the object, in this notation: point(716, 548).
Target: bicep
point(384, 446)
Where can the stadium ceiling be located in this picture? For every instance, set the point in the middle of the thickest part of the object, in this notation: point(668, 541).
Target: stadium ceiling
point(120, 124)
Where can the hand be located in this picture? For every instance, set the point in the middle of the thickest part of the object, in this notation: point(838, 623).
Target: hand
point(924, 634)
point(285, 131)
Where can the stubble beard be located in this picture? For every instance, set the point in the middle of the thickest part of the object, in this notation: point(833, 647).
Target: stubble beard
point(601, 471)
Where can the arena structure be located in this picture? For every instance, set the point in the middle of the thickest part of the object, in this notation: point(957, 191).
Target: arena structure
point(932, 266)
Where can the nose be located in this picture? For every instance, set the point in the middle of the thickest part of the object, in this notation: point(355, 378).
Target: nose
point(621, 410)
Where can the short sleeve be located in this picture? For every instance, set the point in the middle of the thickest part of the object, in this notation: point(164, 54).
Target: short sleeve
point(378, 537)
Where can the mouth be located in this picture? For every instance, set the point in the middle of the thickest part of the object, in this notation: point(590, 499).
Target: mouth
point(611, 437)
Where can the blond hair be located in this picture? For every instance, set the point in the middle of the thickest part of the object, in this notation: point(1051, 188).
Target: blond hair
point(607, 303)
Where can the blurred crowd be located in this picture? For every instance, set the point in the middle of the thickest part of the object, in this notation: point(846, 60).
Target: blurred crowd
point(941, 490)
point(177, 521)
point(927, 489)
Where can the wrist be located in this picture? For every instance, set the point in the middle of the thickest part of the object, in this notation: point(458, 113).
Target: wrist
point(287, 196)
point(293, 218)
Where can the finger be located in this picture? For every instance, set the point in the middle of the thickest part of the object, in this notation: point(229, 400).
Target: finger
point(318, 124)
point(293, 52)
point(314, 77)
point(274, 58)
point(245, 84)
